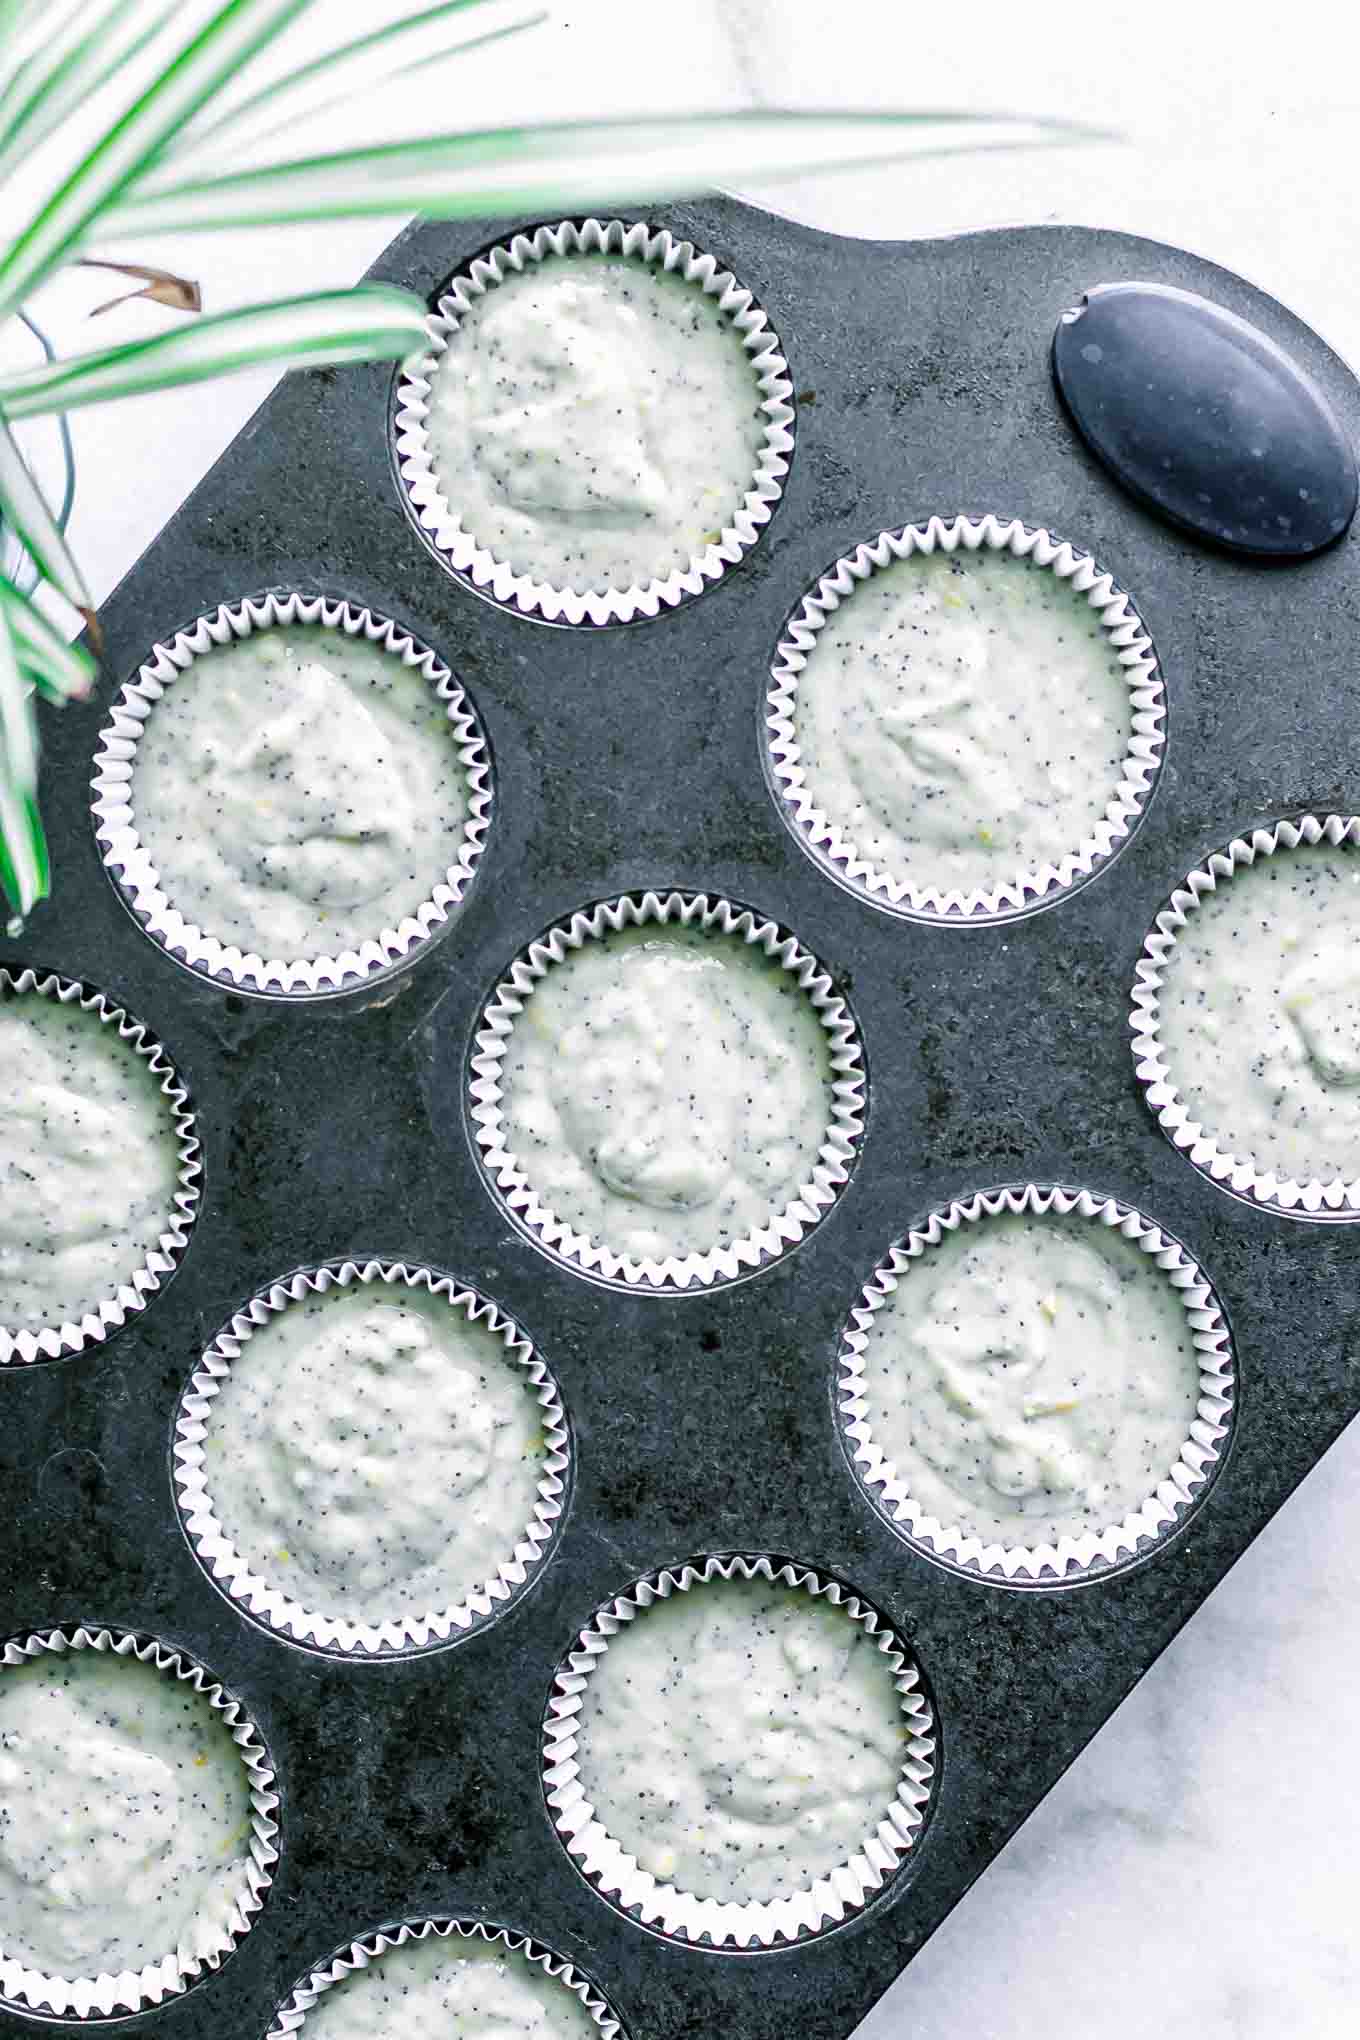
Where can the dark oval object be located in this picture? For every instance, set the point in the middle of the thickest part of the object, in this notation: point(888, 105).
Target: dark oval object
point(1204, 419)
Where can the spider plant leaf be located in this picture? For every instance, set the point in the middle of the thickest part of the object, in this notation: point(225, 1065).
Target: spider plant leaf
point(25, 509)
point(162, 286)
point(18, 735)
point(197, 70)
point(24, 872)
point(13, 17)
point(567, 165)
point(74, 60)
point(353, 70)
point(26, 54)
point(60, 671)
point(372, 322)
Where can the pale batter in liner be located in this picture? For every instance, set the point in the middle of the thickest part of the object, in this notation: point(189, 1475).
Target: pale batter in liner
point(136, 1822)
point(667, 1090)
point(1259, 1014)
point(781, 1829)
point(371, 1458)
point(965, 718)
point(602, 424)
point(463, 1982)
point(99, 1167)
point(315, 781)
point(1037, 1382)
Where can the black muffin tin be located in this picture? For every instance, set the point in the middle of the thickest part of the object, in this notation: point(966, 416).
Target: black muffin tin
point(627, 758)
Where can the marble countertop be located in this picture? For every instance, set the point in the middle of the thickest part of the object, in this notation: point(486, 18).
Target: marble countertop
point(1193, 1874)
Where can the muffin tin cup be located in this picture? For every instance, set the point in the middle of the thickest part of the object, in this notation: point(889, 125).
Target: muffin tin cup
point(1334, 1199)
point(51, 1342)
point(1024, 891)
point(133, 870)
point(784, 1228)
point(336, 1634)
point(439, 520)
point(683, 1915)
point(107, 1996)
point(1071, 1558)
point(292, 2016)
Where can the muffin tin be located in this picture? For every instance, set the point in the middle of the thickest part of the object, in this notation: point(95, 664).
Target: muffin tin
point(337, 1127)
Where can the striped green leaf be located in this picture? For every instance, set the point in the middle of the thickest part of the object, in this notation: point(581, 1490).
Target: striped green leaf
point(73, 60)
point(352, 70)
point(25, 876)
point(59, 671)
point(14, 15)
point(370, 323)
point(25, 510)
point(566, 165)
point(198, 69)
point(18, 736)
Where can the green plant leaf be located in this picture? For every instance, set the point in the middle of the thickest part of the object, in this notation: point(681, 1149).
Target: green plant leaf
point(568, 165)
point(18, 736)
point(13, 16)
point(24, 872)
point(353, 70)
point(60, 671)
point(200, 67)
point(373, 322)
point(72, 62)
point(25, 509)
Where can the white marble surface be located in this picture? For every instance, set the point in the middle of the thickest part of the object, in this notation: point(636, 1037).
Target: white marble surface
point(1193, 1877)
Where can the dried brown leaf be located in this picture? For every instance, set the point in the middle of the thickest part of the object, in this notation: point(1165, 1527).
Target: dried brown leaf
point(162, 286)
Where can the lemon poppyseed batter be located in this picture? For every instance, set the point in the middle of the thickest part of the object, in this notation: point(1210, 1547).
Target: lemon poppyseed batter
point(595, 422)
point(1031, 1377)
point(1260, 1014)
point(89, 1162)
point(125, 1816)
point(667, 1090)
point(741, 1739)
point(459, 1988)
point(374, 1453)
point(963, 718)
point(299, 791)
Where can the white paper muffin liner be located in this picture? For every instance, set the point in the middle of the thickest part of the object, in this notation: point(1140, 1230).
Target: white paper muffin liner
point(105, 1996)
point(335, 1633)
point(784, 1228)
point(1095, 1550)
point(1335, 1199)
point(52, 1341)
point(130, 864)
point(292, 2016)
point(683, 1915)
point(822, 837)
point(440, 520)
